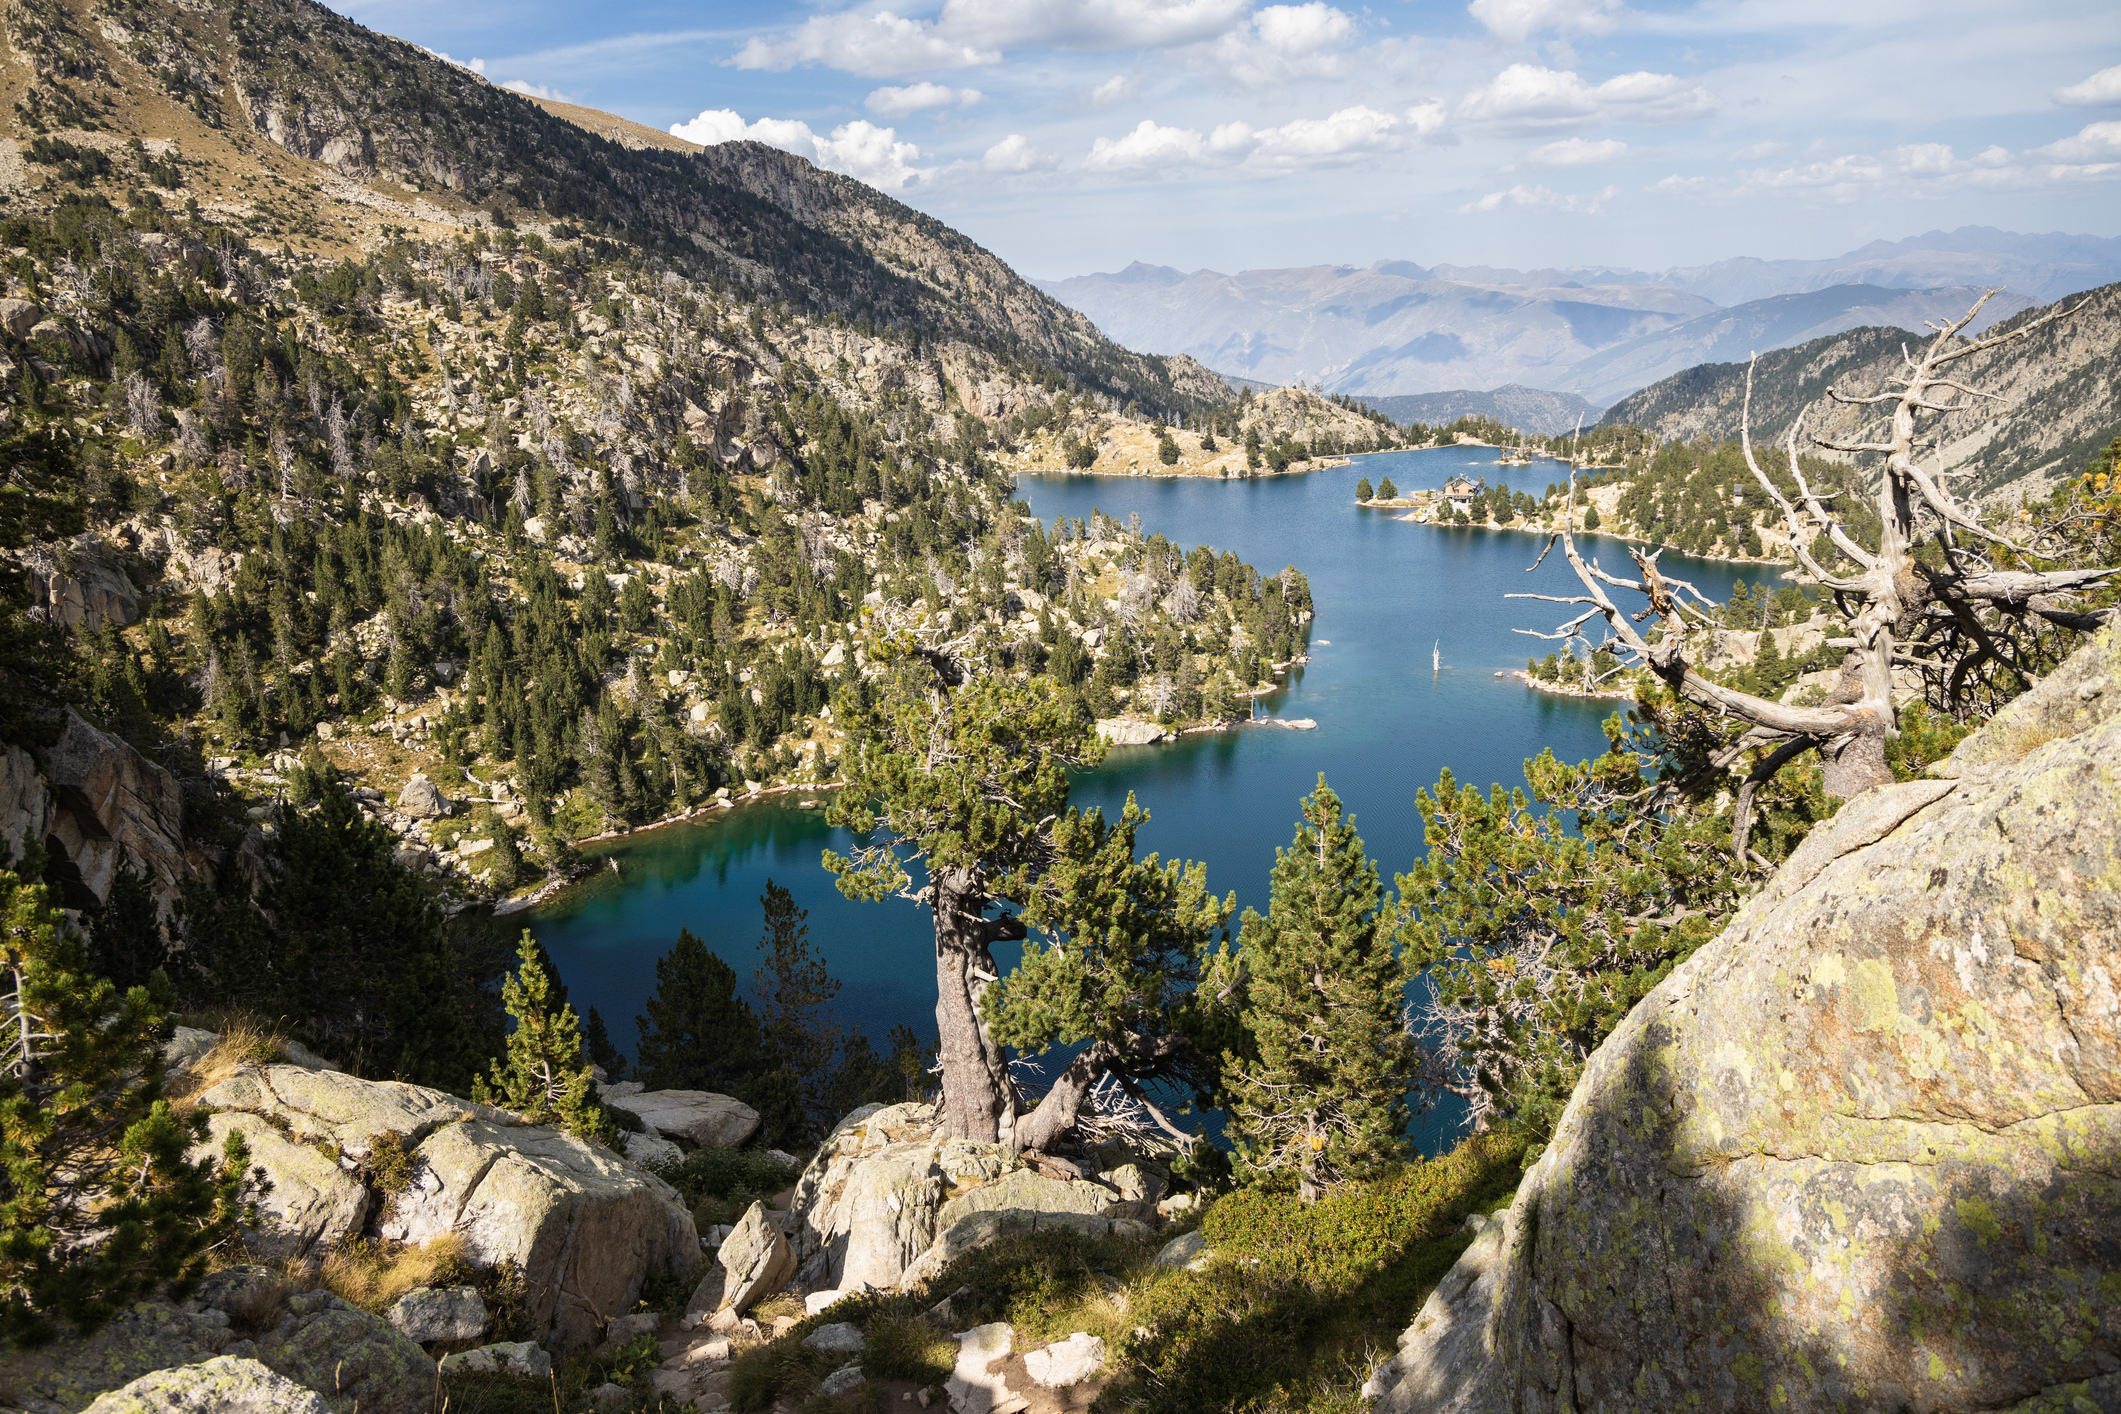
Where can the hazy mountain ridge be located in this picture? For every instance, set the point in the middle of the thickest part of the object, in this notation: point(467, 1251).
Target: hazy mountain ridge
point(1399, 328)
point(2060, 396)
point(1527, 409)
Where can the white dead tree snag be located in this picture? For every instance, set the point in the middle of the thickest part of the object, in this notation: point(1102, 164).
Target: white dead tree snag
point(1965, 619)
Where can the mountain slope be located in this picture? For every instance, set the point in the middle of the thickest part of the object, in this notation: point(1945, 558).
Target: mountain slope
point(1777, 321)
point(2060, 392)
point(1527, 409)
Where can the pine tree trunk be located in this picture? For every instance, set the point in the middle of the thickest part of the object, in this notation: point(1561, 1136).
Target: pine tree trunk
point(1055, 1115)
point(979, 1103)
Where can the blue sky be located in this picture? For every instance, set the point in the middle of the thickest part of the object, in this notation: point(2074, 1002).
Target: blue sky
point(1077, 135)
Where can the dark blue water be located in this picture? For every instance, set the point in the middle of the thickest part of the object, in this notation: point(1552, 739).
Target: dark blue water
point(1385, 592)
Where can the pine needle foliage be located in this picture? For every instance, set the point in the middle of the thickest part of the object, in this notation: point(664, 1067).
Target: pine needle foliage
point(543, 1075)
point(1320, 1089)
point(1543, 916)
point(100, 1204)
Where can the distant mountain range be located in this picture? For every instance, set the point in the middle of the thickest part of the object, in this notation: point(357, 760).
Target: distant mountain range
point(1527, 409)
point(2058, 398)
point(1398, 328)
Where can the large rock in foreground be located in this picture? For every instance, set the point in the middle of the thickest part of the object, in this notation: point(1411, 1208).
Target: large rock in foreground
point(226, 1384)
point(1860, 1151)
point(587, 1227)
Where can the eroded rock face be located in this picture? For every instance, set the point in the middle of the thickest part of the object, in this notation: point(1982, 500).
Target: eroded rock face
point(314, 1204)
point(85, 589)
point(755, 1261)
point(1859, 1151)
point(107, 802)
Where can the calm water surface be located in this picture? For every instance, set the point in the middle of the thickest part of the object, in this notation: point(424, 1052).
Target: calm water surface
point(1385, 592)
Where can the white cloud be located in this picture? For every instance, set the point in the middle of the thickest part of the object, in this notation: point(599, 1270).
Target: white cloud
point(477, 66)
point(1577, 152)
point(1760, 151)
point(1302, 29)
point(534, 90)
point(972, 32)
point(1282, 45)
point(1676, 185)
point(898, 102)
point(1542, 199)
point(2100, 142)
point(1117, 89)
point(2102, 87)
point(858, 149)
point(1934, 169)
point(1518, 20)
point(1527, 98)
point(1153, 149)
point(1015, 154)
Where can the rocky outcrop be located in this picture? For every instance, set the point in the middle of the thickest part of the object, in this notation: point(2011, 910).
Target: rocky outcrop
point(755, 1263)
point(342, 1357)
point(83, 585)
point(1130, 731)
point(1857, 1152)
point(226, 1384)
point(888, 1202)
point(697, 1117)
point(313, 1204)
point(587, 1227)
point(96, 802)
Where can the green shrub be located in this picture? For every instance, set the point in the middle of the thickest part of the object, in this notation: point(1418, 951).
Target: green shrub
point(785, 1368)
point(908, 1348)
point(727, 1174)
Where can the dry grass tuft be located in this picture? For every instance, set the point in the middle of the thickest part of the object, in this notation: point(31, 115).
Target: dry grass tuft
point(245, 1040)
point(372, 1274)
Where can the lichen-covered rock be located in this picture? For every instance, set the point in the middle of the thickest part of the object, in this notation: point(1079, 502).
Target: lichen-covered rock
point(698, 1117)
point(355, 1360)
point(869, 1203)
point(587, 1228)
point(223, 1385)
point(150, 1336)
point(1858, 1151)
point(648, 1150)
point(312, 1204)
point(329, 1107)
point(755, 1259)
point(1066, 1362)
point(109, 803)
point(421, 799)
point(510, 1357)
point(439, 1313)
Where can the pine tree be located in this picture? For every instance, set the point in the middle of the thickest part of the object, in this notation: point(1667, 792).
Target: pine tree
point(543, 1074)
point(1321, 1087)
point(794, 993)
point(597, 1045)
point(99, 1205)
point(1363, 490)
point(1130, 956)
point(1386, 491)
point(697, 1033)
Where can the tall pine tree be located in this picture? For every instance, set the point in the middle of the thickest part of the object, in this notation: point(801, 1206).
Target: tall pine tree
point(698, 1034)
point(99, 1203)
point(1320, 1087)
point(543, 1075)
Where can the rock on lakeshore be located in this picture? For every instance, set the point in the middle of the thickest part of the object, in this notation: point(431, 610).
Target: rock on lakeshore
point(1858, 1152)
point(699, 1117)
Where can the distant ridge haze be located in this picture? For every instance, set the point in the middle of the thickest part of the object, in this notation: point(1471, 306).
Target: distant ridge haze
point(1398, 327)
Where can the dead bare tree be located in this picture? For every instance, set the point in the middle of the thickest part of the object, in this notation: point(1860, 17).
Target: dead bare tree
point(1960, 619)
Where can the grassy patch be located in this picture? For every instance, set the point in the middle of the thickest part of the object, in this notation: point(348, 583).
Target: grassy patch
point(785, 1368)
point(372, 1274)
point(244, 1040)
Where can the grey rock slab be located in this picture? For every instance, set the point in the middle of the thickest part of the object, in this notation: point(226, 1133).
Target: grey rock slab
point(422, 799)
point(328, 1105)
point(972, 1387)
point(757, 1261)
point(698, 1117)
point(839, 1338)
point(509, 1357)
point(439, 1313)
point(587, 1228)
point(149, 1336)
point(222, 1385)
point(840, 1381)
point(1188, 1250)
point(313, 1203)
point(1066, 1362)
point(648, 1150)
point(354, 1359)
point(1447, 1332)
point(1890, 1088)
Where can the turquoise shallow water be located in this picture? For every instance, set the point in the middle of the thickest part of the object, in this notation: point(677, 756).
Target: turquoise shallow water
point(1384, 590)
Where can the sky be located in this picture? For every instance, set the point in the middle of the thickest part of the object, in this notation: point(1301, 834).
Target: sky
point(1076, 135)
